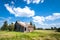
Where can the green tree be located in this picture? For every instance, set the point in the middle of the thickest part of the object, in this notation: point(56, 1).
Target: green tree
point(34, 27)
point(11, 27)
point(15, 26)
point(58, 30)
point(55, 28)
point(39, 28)
point(31, 23)
point(52, 28)
point(5, 26)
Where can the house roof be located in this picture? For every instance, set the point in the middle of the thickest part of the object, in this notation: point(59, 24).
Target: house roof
point(23, 24)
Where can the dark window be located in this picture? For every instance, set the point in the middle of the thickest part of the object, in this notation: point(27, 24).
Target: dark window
point(25, 29)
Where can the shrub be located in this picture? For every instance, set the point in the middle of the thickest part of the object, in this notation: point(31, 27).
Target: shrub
point(58, 29)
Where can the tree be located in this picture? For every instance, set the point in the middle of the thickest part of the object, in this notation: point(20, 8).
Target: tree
point(34, 27)
point(5, 26)
point(58, 29)
point(11, 27)
point(55, 28)
point(52, 28)
point(15, 26)
point(39, 28)
point(31, 23)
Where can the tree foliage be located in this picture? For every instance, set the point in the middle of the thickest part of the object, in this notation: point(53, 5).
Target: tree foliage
point(39, 28)
point(15, 26)
point(52, 28)
point(34, 27)
point(31, 23)
point(5, 26)
point(11, 27)
point(58, 29)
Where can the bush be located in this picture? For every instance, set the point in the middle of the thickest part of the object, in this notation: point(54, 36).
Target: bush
point(58, 29)
point(4, 26)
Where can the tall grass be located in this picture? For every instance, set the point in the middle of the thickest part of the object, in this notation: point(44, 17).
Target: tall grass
point(36, 35)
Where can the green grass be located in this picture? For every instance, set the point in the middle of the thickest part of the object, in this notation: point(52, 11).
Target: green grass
point(36, 35)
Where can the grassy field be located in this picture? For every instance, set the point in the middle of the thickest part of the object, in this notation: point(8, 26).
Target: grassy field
point(36, 35)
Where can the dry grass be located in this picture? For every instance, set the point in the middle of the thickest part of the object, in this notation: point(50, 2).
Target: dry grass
point(36, 35)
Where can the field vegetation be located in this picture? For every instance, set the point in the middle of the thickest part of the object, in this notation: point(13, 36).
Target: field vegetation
point(36, 35)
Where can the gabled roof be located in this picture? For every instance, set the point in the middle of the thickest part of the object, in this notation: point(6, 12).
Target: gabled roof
point(23, 24)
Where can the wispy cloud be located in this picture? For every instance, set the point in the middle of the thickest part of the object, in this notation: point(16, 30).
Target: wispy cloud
point(12, 2)
point(42, 20)
point(20, 12)
point(39, 19)
point(34, 1)
point(53, 17)
point(2, 19)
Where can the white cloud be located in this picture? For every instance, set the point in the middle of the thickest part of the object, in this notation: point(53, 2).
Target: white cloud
point(38, 19)
point(42, 20)
point(12, 2)
point(28, 1)
point(34, 1)
point(20, 12)
point(9, 8)
point(42, 1)
point(13, 22)
point(2, 19)
point(53, 17)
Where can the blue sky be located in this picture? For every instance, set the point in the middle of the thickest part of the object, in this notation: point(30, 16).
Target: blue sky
point(43, 13)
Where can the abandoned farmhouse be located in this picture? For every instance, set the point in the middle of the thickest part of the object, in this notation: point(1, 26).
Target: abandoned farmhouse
point(23, 27)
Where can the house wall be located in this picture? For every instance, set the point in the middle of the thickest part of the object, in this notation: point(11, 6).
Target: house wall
point(30, 29)
point(19, 28)
point(26, 29)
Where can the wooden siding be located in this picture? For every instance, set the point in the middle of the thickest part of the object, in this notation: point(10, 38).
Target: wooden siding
point(22, 28)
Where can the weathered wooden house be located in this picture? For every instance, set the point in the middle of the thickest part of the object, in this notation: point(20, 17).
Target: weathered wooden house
point(23, 27)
